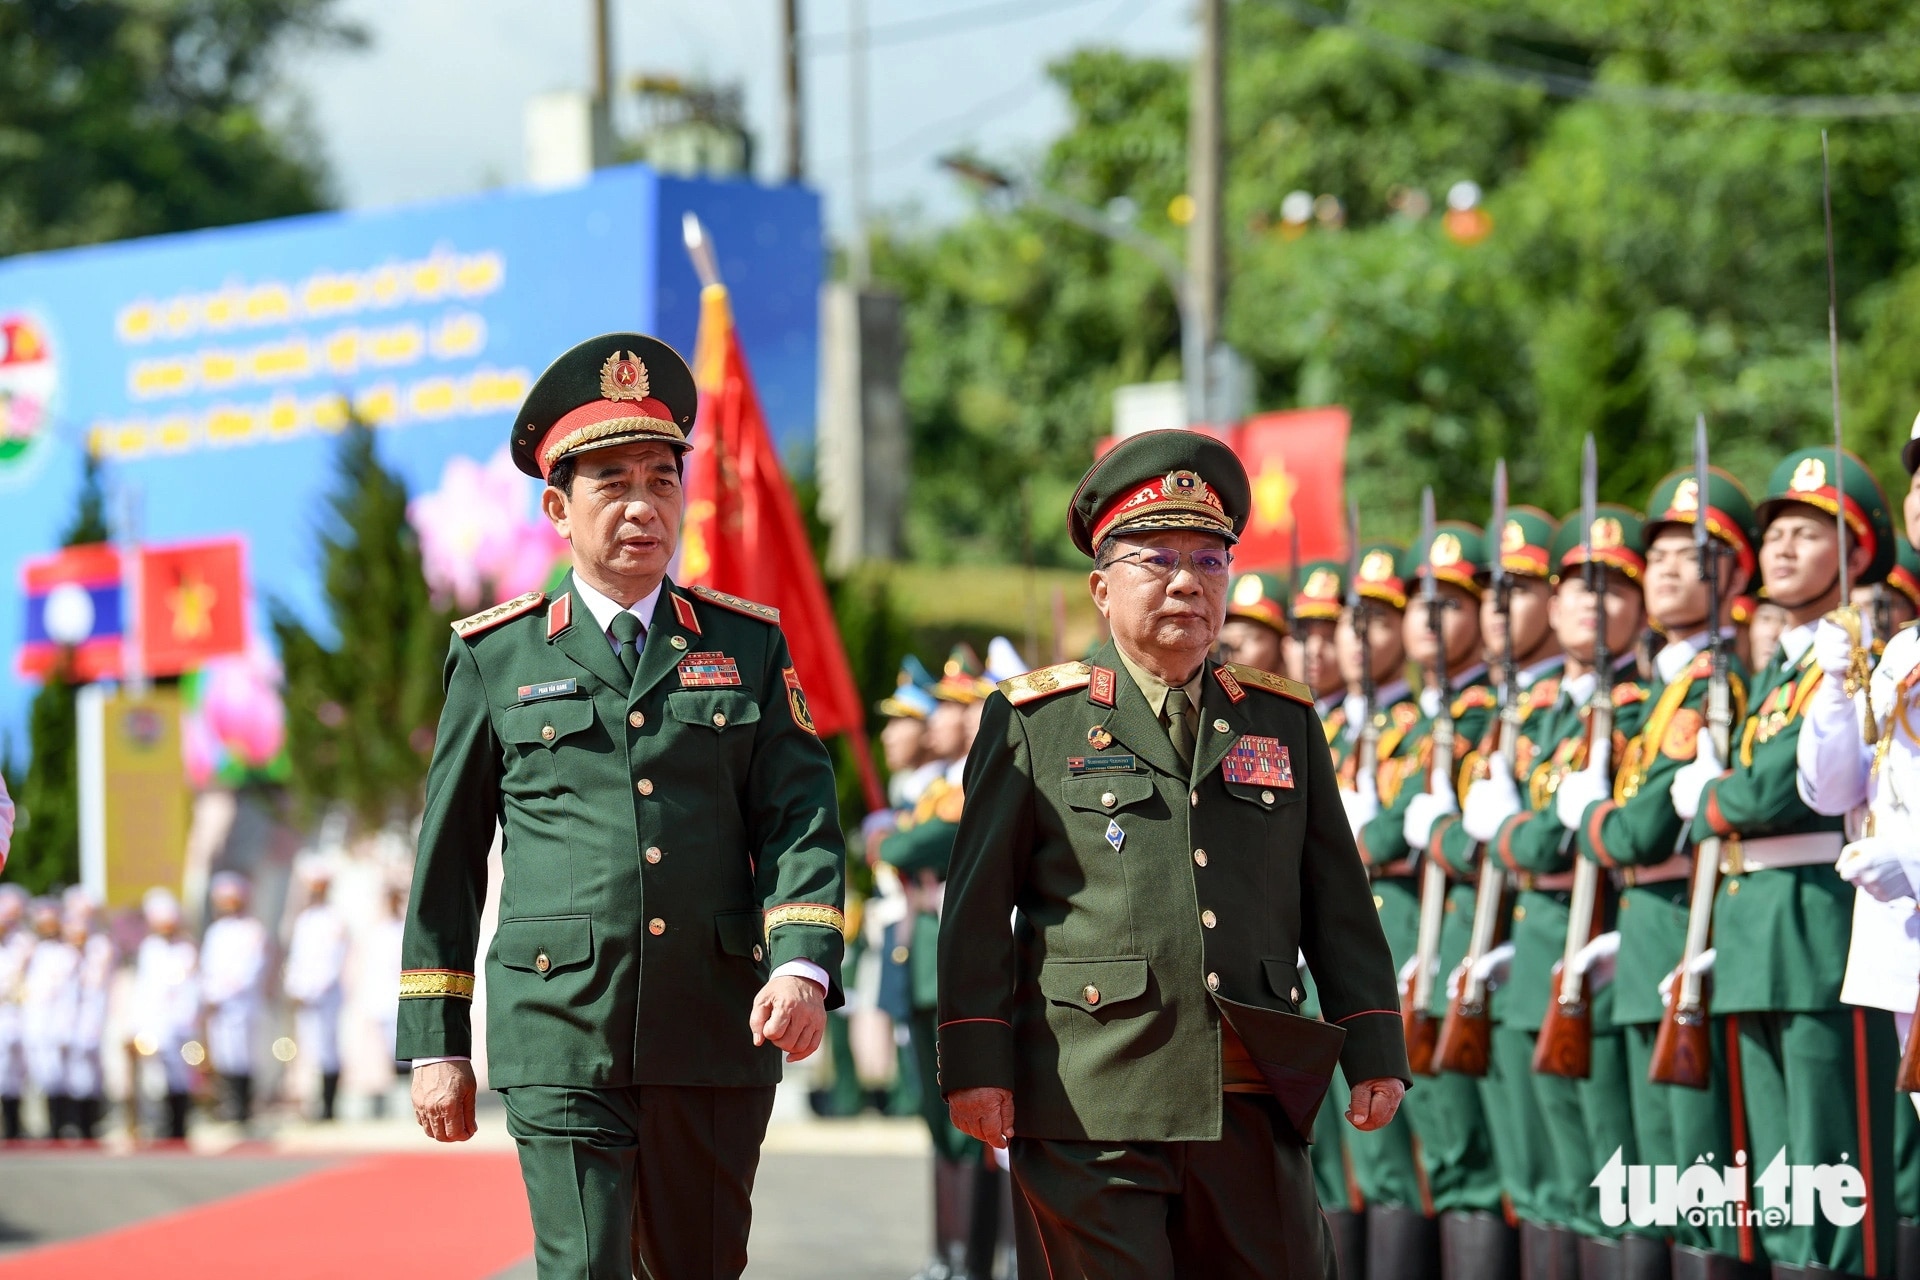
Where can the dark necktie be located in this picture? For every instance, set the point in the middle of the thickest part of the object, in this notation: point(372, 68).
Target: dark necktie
point(627, 630)
point(1179, 730)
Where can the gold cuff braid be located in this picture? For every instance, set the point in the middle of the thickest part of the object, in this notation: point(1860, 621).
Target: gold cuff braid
point(423, 984)
point(806, 913)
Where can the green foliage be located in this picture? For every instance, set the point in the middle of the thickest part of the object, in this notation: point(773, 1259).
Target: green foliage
point(362, 701)
point(1644, 265)
point(131, 117)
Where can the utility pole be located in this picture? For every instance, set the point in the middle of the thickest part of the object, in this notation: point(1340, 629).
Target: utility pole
point(602, 83)
point(857, 115)
point(1206, 158)
point(796, 149)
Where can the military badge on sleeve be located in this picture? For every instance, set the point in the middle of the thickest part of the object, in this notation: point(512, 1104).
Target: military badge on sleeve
point(1257, 761)
point(797, 701)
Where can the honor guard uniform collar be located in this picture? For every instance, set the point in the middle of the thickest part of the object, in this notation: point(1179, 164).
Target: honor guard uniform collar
point(1619, 542)
point(1526, 543)
point(1459, 557)
point(1322, 590)
point(1161, 480)
point(1806, 477)
point(1676, 500)
point(1259, 597)
point(618, 388)
point(1384, 574)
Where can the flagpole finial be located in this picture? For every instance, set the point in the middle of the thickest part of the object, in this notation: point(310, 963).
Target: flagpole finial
point(699, 249)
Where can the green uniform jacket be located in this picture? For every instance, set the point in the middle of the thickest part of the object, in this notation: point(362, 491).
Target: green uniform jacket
point(1781, 936)
point(1638, 828)
point(666, 844)
point(1150, 898)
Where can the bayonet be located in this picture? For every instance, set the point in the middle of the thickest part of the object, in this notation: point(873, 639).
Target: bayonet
point(1417, 1022)
point(1359, 617)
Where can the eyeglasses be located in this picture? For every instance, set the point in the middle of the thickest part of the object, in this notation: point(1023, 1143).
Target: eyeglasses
point(1164, 562)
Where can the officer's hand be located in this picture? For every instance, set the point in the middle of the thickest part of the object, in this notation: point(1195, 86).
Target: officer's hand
point(792, 1013)
point(443, 1094)
point(1373, 1102)
point(985, 1113)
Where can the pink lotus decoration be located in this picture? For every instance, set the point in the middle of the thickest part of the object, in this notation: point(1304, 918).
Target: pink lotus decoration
point(482, 537)
point(234, 726)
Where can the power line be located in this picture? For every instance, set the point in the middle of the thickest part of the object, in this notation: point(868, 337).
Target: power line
point(940, 24)
point(1561, 85)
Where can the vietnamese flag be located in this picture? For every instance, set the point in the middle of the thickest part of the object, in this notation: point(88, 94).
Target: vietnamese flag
point(743, 533)
point(193, 604)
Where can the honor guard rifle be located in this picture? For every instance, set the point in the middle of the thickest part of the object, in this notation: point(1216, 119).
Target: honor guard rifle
point(1466, 1036)
point(1565, 1043)
point(1682, 1053)
point(1417, 992)
point(1360, 618)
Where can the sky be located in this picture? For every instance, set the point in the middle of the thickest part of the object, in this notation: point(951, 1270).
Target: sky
point(434, 107)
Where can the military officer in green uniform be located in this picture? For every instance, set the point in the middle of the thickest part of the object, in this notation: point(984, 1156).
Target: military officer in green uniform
point(1167, 836)
point(670, 913)
point(1626, 823)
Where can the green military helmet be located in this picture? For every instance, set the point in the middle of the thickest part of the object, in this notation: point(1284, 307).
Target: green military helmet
point(1806, 476)
point(1904, 577)
point(618, 388)
point(1161, 480)
point(1259, 597)
point(1321, 591)
point(1619, 542)
point(1676, 500)
point(1383, 573)
point(1459, 557)
point(1526, 542)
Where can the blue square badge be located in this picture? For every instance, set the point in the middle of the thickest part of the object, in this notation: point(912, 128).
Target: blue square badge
point(1115, 836)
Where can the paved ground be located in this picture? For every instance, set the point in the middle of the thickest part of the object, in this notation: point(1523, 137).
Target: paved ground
point(45, 1197)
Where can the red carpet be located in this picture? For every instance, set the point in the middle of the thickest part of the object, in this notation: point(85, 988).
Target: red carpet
point(408, 1217)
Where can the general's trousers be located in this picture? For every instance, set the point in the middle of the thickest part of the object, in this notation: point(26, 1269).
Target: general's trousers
point(1239, 1208)
point(653, 1181)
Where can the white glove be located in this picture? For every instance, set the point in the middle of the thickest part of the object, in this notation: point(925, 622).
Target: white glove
point(1692, 778)
point(1578, 792)
point(1490, 802)
point(1699, 968)
point(1594, 962)
point(1423, 811)
point(1883, 868)
point(1832, 648)
point(1362, 807)
point(1406, 970)
point(1490, 970)
point(1454, 980)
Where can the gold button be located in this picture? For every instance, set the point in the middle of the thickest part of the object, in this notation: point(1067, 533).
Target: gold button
point(1208, 919)
point(1220, 726)
point(1090, 993)
point(1193, 799)
point(1625, 902)
point(1733, 887)
point(1519, 913)
point(678, 642)
point(541, 964)
point(656, 926)
point(900, 955)
point(1199, 857)
point(719, 720)
point(1295, 994)
point(546, 732)
point(1107, 798)
point(1378, 902)
point(637, 719)
point(757, 953)
point(653, 853)
point(644, 786)
point(1266, 797)
point(1213, 982)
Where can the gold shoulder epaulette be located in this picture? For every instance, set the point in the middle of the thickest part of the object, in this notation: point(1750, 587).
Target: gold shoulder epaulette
point(467, 628)
point(1544, 693)
point(1702, 665)
point(764, 612)
point(1474, 695)
point(1045, 682)
point(1628, 692)
point(1271, 683)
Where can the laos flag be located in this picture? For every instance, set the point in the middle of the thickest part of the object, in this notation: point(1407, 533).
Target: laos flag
point(74, 606)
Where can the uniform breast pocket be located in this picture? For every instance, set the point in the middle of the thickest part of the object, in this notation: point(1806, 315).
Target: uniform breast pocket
point(1108, 792)
point(1270, 797)
point(534, 733)
point(719, 726)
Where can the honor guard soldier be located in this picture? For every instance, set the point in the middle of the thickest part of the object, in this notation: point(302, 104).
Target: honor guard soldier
point(670, 914)
point(1256, 631)
point(1812, 1078)
point(166, 1004)
point(16, 945)
point(47, 996)
point(1318, 599)
point(1627, 825)
point(315, 980)
point(82, 926)
point(233, 969)
point(1167, 834)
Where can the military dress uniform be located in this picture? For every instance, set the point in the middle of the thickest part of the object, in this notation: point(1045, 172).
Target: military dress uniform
point(315, 977)
point(1143, 1008)
point(166, 1003)
point(669, 842)
point(16, 945)
point(1632, 831)
point(233, 970)
point(1809, 1075)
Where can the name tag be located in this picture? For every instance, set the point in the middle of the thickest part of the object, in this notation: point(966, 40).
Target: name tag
point(547, 689)
point(1257, 761)
point(708, 671)
point(1101, 764)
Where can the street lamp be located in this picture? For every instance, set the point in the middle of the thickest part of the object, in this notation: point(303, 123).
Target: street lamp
point(1193, 363)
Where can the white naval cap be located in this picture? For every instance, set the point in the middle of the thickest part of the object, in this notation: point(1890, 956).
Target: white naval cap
point(230, 883)
point(160, 907)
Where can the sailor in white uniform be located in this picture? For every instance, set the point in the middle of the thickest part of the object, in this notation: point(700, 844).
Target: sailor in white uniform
point(314, 981)
point(233, 966)
point(166, 1003)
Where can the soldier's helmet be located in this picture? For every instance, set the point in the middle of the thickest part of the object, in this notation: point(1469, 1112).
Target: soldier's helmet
point(1807, 477)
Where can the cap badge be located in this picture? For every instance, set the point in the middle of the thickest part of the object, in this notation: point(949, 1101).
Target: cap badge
point(1445, 550)
point(1186, 484)
point(1249, 591)
point(1810, 475)
point(1377, 567)
point(1513, 538)
point(1607, 533)
point(1322, 584)
point(623, 377)
point(1686, 497)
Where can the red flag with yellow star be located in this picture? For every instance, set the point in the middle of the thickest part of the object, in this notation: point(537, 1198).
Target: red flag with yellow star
point(1297, 462)
point(193, 604)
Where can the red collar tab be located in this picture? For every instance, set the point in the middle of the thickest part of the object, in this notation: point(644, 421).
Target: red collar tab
point(560, 614)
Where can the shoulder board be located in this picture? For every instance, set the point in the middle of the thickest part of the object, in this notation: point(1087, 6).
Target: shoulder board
point(1471, 698)
point(1702, 665)
point(1628, 693)
point(1266, 680)
point(764, 612)
point(1046, 681)
point(1404, 714)
point(1544, 693)
point(486, 619)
